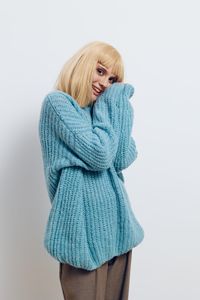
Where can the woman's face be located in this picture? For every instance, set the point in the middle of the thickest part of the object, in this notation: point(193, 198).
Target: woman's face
point(102, 79)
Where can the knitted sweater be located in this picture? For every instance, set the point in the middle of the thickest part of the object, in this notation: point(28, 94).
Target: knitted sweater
point(84, 151)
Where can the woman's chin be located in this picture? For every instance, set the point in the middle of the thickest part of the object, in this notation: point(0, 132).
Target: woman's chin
point(94, 97)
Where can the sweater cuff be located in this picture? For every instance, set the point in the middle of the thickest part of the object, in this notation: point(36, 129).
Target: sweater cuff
point(118, 89)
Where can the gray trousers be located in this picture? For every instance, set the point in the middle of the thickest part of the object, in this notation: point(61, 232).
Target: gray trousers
point(108, 282)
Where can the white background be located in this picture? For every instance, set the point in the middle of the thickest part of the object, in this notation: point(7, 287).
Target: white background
point(159, 42)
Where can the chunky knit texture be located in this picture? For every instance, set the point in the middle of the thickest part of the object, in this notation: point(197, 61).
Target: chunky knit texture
point(84, 151)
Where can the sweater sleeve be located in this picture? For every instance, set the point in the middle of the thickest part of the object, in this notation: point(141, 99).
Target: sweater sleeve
point(95, 144)
point(126, 152)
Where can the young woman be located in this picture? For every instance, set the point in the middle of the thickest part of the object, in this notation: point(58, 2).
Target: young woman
point(85, 133)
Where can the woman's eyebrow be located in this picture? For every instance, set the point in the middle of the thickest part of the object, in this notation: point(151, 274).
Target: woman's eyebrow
point(103, 67)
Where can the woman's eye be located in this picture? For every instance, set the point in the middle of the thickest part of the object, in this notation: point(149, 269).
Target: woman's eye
point(100, 71)
point(113, 80)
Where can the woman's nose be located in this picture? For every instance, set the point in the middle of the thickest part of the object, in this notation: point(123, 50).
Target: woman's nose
point(105, 82)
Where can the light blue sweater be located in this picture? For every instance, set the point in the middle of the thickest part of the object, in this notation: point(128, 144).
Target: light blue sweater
point(84, 151)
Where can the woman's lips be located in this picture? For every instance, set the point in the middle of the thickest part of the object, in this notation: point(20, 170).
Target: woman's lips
point(96, 91)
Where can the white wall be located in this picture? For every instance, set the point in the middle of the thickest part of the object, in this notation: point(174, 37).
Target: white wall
point(159, 41)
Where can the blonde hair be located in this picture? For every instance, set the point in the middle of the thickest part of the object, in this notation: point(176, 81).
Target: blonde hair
point(76, 75)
